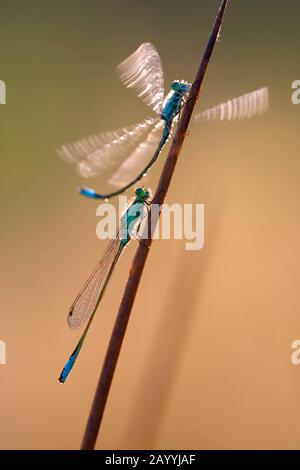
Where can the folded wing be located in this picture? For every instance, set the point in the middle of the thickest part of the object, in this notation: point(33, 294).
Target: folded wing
point(90, 295)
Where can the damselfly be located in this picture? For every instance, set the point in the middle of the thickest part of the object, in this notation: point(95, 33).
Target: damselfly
point(85, 305)
point(131, 147)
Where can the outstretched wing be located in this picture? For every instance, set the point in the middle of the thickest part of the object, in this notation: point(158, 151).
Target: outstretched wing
point(142, 71)
point(244, 107)
point(94, 154)
point(138, 159)
point(90, 295)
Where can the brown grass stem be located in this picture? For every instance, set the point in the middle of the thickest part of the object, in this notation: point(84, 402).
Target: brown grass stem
point(136, 271)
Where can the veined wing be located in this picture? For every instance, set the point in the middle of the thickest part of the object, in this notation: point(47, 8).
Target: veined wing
point(94, 154)
point(90, 295)
point(142, 71)
point(138, 158)
point(244, 107)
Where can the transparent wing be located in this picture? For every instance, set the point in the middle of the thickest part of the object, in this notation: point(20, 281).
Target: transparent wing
point(138, 159)
point(94, 154)
point(142, 71)
point(90, 295)
point(244, 107)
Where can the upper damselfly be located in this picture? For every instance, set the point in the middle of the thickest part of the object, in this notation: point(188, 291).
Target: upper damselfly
point(85, 305)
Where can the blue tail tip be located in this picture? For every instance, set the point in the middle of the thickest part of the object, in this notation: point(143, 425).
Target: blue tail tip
point(62, 378)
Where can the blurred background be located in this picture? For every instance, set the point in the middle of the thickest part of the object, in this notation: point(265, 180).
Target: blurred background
point(206, 363)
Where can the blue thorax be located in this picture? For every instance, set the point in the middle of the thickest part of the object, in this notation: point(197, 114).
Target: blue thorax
point(133, 215)
point(172, 103)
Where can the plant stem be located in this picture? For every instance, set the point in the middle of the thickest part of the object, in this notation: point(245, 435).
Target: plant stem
point(119, 330)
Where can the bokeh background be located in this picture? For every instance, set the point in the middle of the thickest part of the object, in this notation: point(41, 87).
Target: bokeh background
point(206, 363)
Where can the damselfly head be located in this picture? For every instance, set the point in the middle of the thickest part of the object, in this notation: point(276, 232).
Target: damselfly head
point(180, 85)
point(142, 193)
